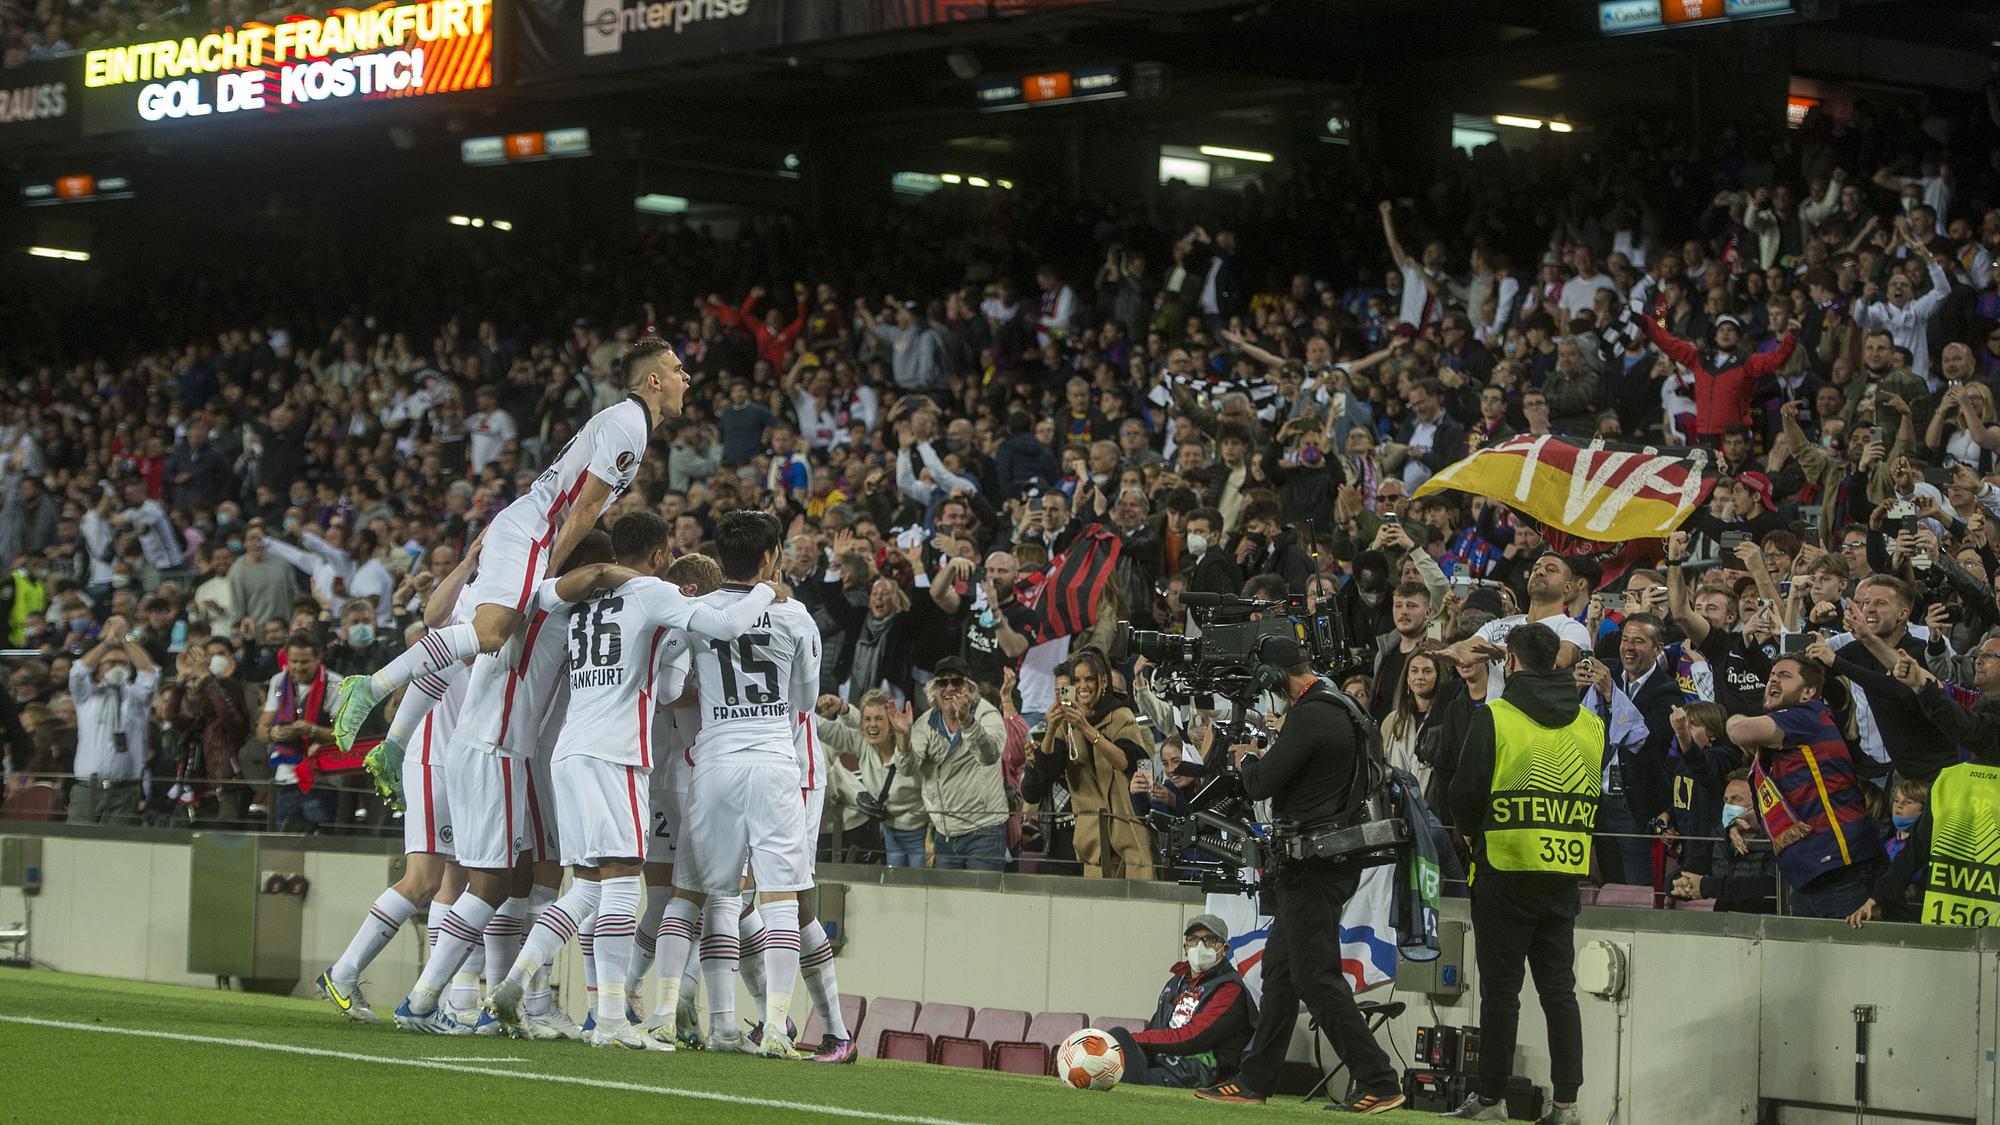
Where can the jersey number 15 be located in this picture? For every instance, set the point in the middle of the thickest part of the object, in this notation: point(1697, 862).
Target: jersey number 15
point(742, 662)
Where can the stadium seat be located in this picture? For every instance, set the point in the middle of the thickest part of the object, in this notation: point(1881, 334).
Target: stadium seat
point(884, 1015)
point(1586, 895)
point(906, 1046)
point(1035, 1052)
point(1629, 895)
point(1106, 1023)
point(935, 1022)
point(1698, 905)
point(975, 1049)
point(852, 1008)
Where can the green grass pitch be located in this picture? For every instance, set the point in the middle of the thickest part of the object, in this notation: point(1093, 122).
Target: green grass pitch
point(147, 1052)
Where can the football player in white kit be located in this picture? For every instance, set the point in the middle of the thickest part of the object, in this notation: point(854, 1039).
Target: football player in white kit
point(532, 537)
point(673, 771)
point(487, 763)
point(429, 708)
point(604, 755)
point(749, 792)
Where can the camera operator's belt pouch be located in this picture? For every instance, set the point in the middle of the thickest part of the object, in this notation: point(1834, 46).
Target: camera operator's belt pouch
point(1545, 792)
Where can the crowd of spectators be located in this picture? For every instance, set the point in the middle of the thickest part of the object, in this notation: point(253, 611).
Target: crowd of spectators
point(33, 30)
point(1234, 394)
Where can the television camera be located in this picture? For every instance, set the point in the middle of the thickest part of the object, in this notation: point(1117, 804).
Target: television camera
point(1228, 662)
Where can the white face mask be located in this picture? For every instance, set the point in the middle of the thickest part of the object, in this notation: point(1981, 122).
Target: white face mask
point(1197, 544)
point(117, 676)
point(1202, 958)
point(218, 665)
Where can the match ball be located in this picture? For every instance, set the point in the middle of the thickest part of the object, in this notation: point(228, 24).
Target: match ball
point(1090, 1060)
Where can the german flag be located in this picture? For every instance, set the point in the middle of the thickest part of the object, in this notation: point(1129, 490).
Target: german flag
point(1602, 491)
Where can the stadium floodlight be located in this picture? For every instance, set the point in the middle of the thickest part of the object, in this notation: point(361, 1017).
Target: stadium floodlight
point(653, 203)
point(478, 222)
point(502, 224)
point(951, 178)
point(1517, 122)
point(1005, 185)
point(978, 181)
point(1561, 127)
point(1226, 153)
point(460, 221)
point(59, 254)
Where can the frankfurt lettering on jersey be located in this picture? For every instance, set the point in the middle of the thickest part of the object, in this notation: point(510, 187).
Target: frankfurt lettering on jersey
point(596, 677)
point(764, 711)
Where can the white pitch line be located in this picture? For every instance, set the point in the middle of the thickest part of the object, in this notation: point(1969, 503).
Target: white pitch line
point(457, 1059)
point(459, 1068)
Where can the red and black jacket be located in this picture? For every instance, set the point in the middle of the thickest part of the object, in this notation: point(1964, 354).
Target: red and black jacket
point(1222, 1017)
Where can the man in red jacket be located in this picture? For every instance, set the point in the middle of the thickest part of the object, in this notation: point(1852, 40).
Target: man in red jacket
point(1202, 1022)
point(1724, 376)
point(774, 337)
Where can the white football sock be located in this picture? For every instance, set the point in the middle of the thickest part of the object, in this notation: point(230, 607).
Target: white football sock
point(458, 935)
point(504, 935)
point(673, 940)
point(554, 926)
point(719, 958)
point(385, 916)
point(644, 941)
point(816, 962)
point(781, 962)
point(752, 934)
point(617, 925)
point(433, 652)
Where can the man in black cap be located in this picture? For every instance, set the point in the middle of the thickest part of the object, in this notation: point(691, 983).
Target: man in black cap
point(1203, 1019)
point(1312, 776)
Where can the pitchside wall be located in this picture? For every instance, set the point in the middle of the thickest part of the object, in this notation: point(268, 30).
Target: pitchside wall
point(1719, 1011)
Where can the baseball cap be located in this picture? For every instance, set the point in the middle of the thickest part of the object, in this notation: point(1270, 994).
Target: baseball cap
point(1731, 321)
point(953, 666)
point(1759, 484)
point(1282, 651)
point(1207, 922)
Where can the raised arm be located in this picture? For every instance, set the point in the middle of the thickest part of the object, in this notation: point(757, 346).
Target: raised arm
point(1388, 211)
point(728, 624)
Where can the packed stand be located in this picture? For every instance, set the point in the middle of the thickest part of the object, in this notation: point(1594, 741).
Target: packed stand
point(196, 532)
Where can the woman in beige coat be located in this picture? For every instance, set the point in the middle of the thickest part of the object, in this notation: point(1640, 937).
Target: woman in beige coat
point(1105, 743)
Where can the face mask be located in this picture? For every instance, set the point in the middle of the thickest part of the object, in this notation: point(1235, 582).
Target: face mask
point(1903, 823)
point(1309, 455)
point(1197, 544)
point(361, 636)
point(218, 665)
point(1730, 813)
point(1202, 958)
point(1100, 479)
point(224, 519)
point(120, 581)
point(79, 624)
point(1910, 203)
point(236, 546)
point(117, 676)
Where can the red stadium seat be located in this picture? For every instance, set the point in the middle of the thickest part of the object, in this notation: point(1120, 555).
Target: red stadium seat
point(1045, 1033)
point(906, 1046)
point(935, 1022)
point(975, 1049)
point(1586, 895)
point(852, 1008)
point(1629, 895)
point(884, 1015)
point(1106, 1023)
point(1698, 905)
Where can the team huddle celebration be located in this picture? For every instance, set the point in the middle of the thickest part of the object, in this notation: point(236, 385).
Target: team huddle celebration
point(585, 705)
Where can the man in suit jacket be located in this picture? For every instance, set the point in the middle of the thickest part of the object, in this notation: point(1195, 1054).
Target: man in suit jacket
point(1435, 439)
point(1636, 773)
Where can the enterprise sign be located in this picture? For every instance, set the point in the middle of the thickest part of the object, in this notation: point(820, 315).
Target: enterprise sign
point(387, 51)
point(1629, 17)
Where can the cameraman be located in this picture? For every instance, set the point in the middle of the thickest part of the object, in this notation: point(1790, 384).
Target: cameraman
point(1309, 777)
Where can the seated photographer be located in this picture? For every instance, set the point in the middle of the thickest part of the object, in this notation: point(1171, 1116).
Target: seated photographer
point(1203, 1020)
point(1092, 744)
